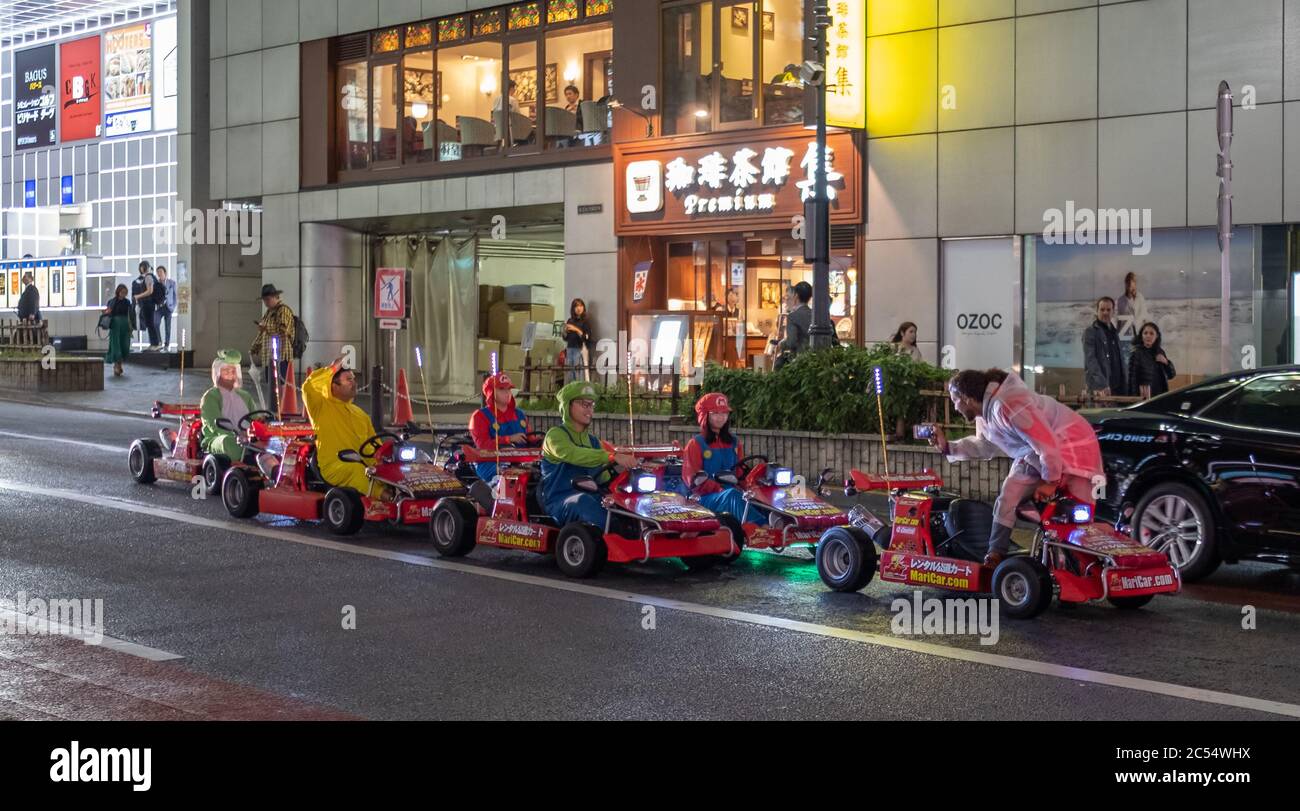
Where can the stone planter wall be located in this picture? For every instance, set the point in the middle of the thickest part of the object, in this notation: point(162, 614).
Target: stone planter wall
point(809, 453)
point(68, 374)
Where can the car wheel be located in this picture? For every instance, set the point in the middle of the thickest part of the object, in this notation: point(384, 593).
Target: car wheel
point(140, 460)
point(343, 511)
point(1023, 587)
point(1130, 603)
point(214, 469)
point(579, 550)
point(239, 493)
point(1175, 519)
point(453, 528)
point(846, 558)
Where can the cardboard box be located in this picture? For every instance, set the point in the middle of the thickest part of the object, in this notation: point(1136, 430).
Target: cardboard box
point(489, 294)
point(507, 325)
point(498, 322)
point(486, 346)
point(528, 294)
point(548, 352)
point(512, 357)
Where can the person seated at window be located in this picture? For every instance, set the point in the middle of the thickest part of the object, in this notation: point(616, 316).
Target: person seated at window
point(499, 420)
point(512, 89)
point(340, 425)
point(571, 98)
point(225, 400)
point(570, 452)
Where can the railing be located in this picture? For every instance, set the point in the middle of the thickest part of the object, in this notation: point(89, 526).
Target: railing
point(652, 383)
point(24, 334)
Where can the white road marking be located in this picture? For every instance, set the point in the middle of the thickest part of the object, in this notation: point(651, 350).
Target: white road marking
point(41, 625)
point(77, 442)
point(927, 648)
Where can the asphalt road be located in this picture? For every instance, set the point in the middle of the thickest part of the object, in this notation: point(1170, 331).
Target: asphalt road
point(503, 635)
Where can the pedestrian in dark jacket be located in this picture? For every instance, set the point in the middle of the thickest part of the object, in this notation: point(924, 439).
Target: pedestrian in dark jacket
point(1149, 368)
point(1103, 365)
point(29, 304)
point(797, 323)
point(577, 341)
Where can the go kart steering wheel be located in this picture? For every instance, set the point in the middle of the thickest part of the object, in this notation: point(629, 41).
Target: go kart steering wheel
point(247, 420)
point(746, 468)
point(376, 441)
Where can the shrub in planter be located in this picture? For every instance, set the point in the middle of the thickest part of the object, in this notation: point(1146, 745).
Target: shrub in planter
point(828, 391)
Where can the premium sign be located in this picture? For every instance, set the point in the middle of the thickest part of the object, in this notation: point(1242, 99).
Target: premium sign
point(846, 65)
point(128, 82)
point(79, 96)
point(732, 179)
point(35, 98)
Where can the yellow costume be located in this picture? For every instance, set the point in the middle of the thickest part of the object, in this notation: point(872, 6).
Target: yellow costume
point(339, 426)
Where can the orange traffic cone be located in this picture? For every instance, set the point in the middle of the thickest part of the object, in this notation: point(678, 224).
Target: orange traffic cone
point(289, 392)
point(402, 413)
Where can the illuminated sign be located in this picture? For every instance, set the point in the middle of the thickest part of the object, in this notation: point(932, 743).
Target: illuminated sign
point(846, 65)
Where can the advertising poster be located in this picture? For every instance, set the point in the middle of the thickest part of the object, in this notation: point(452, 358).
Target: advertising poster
point(70, 283)
point(981, 282)
point(128, 80)
point(79, 95)
point(166, 77)
point(35, 98)
point(15, 284)
point(42, 273)
point(56, 285)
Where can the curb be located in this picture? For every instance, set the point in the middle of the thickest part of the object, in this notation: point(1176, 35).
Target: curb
point(9, 396)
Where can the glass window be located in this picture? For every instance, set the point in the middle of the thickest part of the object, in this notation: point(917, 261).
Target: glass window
point(469, 78)
point(385, 41)
point(354, 100)
point(525, 15)
point(781, 39)
point(418, 91)
point(598, 7)
point(1269, 402)
point(560, 11)
point(451, 29)
point(583, 60)
point(688, 69)
point(526, 91)
point(736, 28)
point(417, 35)
point(487, 22)
point(385, 103)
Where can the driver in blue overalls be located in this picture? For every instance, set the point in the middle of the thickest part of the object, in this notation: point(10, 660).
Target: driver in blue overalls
point(499, 420)
point(570, 452)
point(714, 450)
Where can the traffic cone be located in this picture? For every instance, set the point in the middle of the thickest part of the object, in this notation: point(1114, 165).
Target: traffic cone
point(402, 413)
point(289, 392)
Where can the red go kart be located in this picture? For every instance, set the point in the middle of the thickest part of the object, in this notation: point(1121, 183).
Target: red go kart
point(645, 520)
point(936, 540)
point(177, 455)
point(292, 485)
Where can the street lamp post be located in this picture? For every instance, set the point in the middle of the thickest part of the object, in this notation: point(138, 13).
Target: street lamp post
point(821, 331)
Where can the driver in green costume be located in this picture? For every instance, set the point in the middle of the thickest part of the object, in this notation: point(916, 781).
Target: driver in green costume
point(226, 399)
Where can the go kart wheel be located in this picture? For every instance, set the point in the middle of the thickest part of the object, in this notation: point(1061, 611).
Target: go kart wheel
point(452, 528)
point(140, 460)
point(343, 511)
point(702, 562)
point(1174, 519)
point(846, 558)
point(1130, 603)
point(1023, 586)
point(239, 493)
point(214, 470)
point(579, 550)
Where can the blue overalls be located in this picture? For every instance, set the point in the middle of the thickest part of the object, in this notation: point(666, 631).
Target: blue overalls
point(562, 500)
point(519, 425)
point(713, 462)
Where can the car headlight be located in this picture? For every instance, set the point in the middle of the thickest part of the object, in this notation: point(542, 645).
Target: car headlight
point(646, 482)
point(782, 476)
point(1081, 513)
point(406, 453)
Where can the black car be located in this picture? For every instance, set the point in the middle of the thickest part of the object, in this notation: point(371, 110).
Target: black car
point(1209, 473)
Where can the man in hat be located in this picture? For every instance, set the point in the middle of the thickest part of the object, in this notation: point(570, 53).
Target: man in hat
point(274, 342)
point(225, 400)
point(569, 452)
point(498, 420)
point(340, 425)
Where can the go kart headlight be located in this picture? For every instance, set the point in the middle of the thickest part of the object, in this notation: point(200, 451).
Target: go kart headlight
point(646, 482)
point(406, 453)
point(782, 476)
point(1081, 513)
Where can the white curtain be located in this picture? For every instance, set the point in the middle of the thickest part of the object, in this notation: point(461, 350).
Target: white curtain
point(444, 313)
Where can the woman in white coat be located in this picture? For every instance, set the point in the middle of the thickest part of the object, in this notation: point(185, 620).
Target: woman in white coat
point(1053, 447)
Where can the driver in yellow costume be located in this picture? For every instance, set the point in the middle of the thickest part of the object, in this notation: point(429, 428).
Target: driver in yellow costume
point(340, 425)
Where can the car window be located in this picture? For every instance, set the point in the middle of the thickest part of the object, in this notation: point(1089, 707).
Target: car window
point(1191, 399)
point(1269, 402)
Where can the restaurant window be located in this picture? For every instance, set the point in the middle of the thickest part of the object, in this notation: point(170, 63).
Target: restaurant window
point(582, 60)
point(354, 105)
point(419, 85)
point(385, 102)
point(758, 46)
point(526, 90)
point(470, 78)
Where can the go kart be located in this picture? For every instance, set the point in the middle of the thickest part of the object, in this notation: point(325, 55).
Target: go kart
point(177, 455)
point(936, 539)
point(645, 521)
point(799, 519)
point(292, 486)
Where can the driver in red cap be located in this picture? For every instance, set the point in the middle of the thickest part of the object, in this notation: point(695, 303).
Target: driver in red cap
point(713, 451)
point(498, 419)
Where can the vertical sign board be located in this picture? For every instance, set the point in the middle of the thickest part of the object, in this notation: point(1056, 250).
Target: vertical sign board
point(15, 284)
point(56, 284)
point(35, 98)
point(79, 99)
point(65, 190)
point(4, 287)
point(128, 80)
point(390, 293)
point(846, 65)
point(981, 279)
point(41, 271)
point(70, 287)
point(165, 77)
point(29, 194)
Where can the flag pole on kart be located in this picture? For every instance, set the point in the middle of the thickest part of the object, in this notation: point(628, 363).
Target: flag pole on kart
point(878, 381)
point(496, 418)
point(182, 397)
point(631, 434)
point(428, 409)
point(275, 377)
